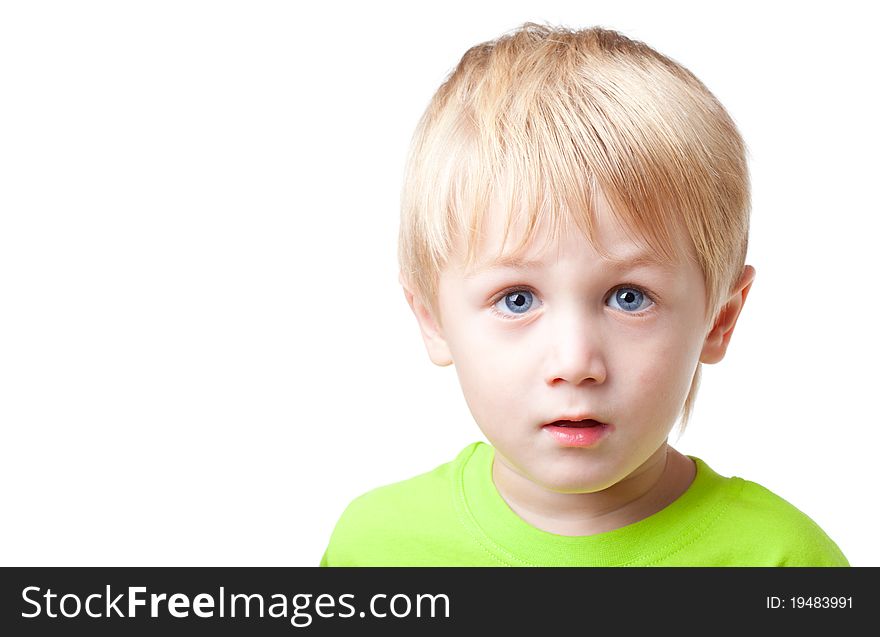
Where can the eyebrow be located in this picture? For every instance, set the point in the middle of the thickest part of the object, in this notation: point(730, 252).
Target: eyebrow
point(518, 263)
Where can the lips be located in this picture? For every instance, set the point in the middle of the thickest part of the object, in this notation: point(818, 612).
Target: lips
point(583, 433)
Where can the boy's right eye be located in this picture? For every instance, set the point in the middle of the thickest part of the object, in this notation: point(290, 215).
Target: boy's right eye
point(514, 302)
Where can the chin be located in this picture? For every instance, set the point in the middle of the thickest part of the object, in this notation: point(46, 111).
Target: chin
point(562, 480)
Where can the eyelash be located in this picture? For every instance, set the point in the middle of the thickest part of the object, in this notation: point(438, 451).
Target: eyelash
point(630, 286)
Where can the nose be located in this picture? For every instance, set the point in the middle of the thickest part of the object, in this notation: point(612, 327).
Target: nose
point(577, 353)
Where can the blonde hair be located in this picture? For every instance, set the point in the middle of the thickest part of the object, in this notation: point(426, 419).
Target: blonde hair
point(554, 118)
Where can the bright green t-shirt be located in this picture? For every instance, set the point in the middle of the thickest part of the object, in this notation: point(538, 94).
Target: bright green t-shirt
point(454, 516)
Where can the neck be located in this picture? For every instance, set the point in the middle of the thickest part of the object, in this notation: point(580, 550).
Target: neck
point(658, 482)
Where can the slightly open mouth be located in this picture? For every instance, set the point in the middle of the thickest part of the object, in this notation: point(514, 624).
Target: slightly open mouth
point(576, 423)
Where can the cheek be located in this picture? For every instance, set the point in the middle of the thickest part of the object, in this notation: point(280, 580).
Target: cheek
point(483, 351)
point(493, 374)
point(666, 373)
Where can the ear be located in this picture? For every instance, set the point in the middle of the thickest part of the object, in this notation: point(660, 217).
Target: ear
point(718, 339)
point(432, 334)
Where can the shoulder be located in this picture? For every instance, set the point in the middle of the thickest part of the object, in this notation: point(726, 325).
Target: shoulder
point(400, 498)
point(774, 532)
point(388, 518)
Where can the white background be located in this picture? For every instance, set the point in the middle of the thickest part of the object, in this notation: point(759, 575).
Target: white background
point(204, 350)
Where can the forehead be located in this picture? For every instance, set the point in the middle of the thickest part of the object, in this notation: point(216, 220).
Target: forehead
point(506, 240)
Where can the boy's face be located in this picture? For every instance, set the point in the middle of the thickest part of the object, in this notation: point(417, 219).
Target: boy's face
point(573, 336)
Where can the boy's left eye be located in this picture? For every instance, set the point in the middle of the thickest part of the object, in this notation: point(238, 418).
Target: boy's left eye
point(630, 299)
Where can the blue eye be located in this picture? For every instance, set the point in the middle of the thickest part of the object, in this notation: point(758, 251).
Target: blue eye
point(516, 301)
point(630, 299)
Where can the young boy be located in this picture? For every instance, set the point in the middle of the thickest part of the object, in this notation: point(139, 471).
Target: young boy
point(573, 239)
